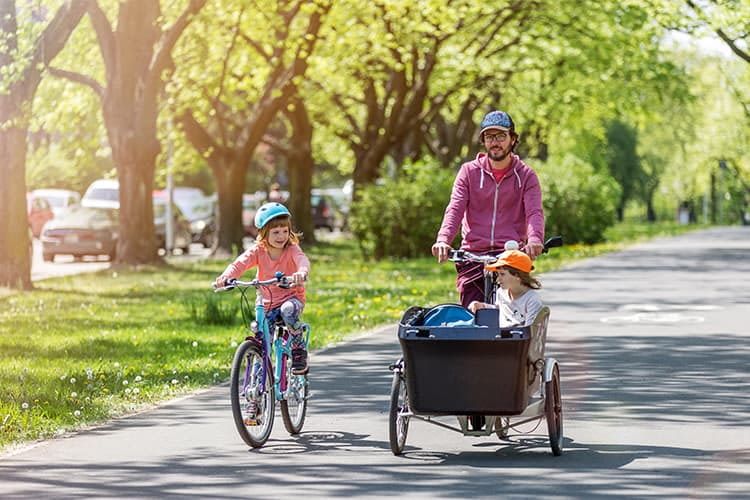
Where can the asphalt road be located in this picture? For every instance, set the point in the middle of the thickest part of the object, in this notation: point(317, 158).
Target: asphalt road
point(653, 344)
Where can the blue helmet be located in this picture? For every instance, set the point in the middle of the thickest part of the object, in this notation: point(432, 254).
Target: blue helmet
point(498, 120)
point(270, 211)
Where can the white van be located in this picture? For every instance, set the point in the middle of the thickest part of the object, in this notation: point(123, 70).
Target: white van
point(102, 193)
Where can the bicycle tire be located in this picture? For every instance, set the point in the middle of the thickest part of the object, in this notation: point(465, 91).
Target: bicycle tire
point(294, 404)
point(245, 357)
point(554, 412)
point(398, 425)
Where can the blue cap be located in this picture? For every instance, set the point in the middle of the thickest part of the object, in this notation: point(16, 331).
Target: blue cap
point(499, 120)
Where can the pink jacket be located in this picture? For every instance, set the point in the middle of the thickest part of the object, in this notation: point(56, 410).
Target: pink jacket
point(491, 213)
point(292, 259)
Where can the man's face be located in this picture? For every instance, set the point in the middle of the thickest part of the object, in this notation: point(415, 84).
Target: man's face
point(498, 143)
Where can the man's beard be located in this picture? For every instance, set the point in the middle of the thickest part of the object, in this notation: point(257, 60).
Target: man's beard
point(500, 156)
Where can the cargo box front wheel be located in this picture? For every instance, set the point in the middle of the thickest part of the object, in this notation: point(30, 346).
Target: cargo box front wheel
point(399, 414)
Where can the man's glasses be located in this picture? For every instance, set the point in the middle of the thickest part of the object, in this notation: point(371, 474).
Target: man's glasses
point(499, 137)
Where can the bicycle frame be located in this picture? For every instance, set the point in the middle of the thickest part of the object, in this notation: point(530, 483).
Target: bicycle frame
point(280, 353)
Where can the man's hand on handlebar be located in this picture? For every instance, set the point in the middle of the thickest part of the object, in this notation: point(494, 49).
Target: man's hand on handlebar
point(441, 251)
point(533, 249)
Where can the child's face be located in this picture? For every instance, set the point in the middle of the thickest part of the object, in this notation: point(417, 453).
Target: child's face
point(506, 280)
point(278, 236)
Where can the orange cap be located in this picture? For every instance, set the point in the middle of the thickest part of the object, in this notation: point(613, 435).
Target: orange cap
point(512, 258)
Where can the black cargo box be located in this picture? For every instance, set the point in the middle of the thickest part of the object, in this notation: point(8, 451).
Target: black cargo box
point(477, 369)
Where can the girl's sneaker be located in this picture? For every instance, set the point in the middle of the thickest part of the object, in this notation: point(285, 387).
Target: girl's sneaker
point(251, 413)
point(299, 361)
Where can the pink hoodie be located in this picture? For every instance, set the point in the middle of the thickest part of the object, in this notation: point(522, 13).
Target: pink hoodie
point(491, 213)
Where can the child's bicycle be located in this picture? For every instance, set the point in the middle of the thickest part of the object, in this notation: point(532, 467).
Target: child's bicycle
point(455, 363)
point(262, 371)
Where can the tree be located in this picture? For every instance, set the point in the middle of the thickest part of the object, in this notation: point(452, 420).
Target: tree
point(137, 59)
point(22, 68)
point(623, 161)
point(227, 117)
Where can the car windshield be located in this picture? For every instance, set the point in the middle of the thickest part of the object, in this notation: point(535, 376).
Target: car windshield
point(82, 215)
point(55, 201)
point(103, 194)
point(195, 210)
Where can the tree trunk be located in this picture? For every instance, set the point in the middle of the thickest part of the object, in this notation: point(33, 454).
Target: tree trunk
point(15, 102)
point(132, 135)
point(230, 184)
point(15, 262)
point(301, 166)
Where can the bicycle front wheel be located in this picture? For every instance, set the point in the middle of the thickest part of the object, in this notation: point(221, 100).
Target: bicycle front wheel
point(294, 404)
point(252, 397)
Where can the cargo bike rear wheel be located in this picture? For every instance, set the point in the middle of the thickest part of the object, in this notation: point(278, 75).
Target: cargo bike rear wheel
point(553, 412)
point(399, 414)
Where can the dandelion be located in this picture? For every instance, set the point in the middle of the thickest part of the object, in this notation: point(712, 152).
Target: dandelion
point(136, 391)
point(138, 378)
point(195, 343)
point(175, 381)
point(117, 364)
point(72, 380)
point(89, 373)
point(127, 391)
point(77, 413)
point(125, 382)
point(64, 377)
point(216, 375)
point(73, 395)
point(233, 344)
point(25, 406)
point(186, 377)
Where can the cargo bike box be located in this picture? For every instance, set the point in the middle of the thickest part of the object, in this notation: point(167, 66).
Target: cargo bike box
point(455, 364)
point(492, 379)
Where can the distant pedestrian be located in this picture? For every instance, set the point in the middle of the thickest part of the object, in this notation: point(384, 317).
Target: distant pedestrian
point(275, 195)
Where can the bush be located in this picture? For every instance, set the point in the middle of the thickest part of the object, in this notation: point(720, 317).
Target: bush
point(579, 202)
point(401, 217)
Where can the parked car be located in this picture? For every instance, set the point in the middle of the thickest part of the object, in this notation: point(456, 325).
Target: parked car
point(81, 231)
point(59, 199)
point(102, 193)
point(39, 212)
point(200, 212)
point(180, 226)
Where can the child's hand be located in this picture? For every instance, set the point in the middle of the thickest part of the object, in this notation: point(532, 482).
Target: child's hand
point(476, 305)
point(220, 282)
point(299, 278)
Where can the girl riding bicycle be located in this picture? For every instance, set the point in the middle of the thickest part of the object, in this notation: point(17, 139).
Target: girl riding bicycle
point(277, 249)
point(516, 299)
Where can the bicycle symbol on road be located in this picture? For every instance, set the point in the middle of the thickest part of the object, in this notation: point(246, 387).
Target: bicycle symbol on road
point(650, 313)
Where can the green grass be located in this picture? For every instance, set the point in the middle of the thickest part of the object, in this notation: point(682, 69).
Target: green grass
point(79, 350)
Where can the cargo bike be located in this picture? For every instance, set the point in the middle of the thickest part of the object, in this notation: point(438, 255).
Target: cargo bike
point(492, 379)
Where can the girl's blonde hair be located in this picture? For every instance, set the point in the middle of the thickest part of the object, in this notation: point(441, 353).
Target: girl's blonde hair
point(280, 221)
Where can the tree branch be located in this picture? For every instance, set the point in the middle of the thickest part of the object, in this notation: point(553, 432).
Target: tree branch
point(78, 78)
point(104, 34)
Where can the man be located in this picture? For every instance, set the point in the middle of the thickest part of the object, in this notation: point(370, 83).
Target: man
point(496, 198)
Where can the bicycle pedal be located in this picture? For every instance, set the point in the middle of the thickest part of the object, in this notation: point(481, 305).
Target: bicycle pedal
point(251, 422)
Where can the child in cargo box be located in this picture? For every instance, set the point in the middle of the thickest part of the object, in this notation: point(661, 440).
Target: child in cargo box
point(517, 301)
